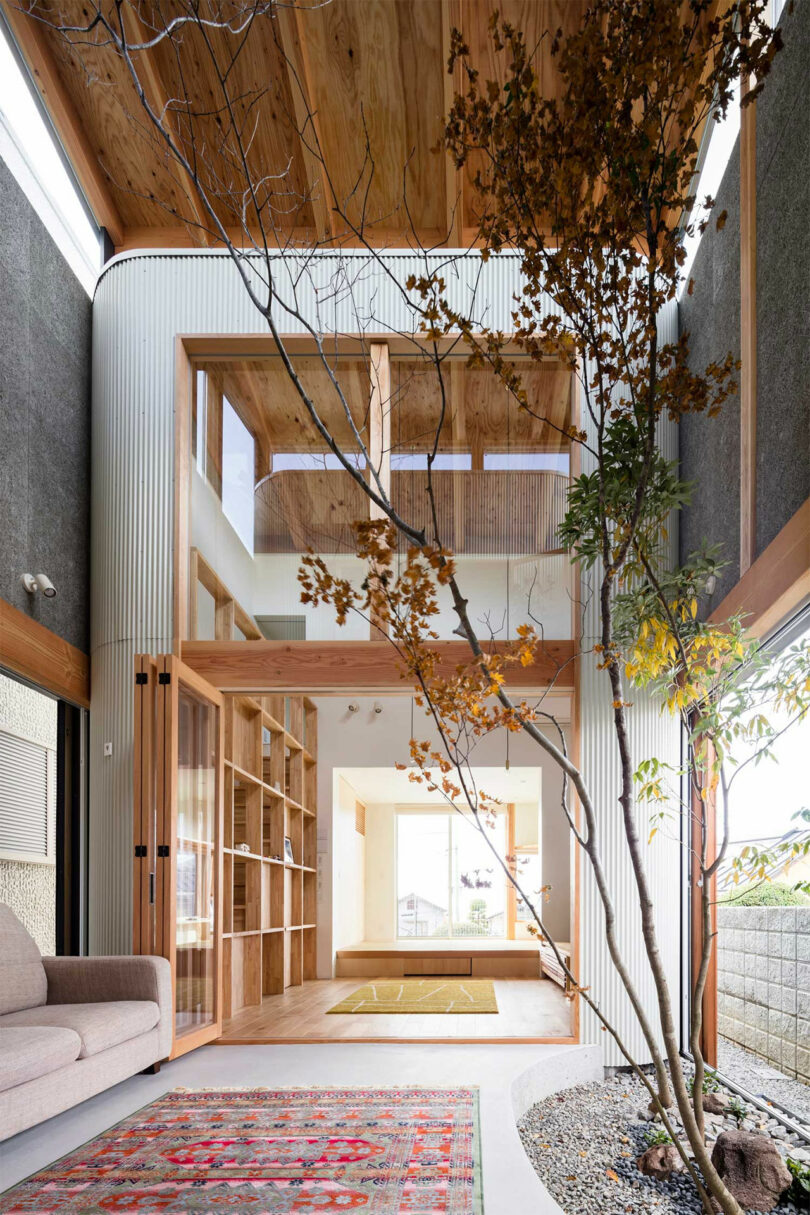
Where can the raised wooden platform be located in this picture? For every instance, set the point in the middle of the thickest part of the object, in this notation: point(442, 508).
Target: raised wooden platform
point(483, 959)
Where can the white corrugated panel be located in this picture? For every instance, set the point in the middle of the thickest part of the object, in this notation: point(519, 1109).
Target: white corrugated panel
point(652, 734)
point(142, 302)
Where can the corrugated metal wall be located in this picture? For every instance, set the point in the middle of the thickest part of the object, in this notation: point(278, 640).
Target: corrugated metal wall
point(652, 734)
point(141, 303)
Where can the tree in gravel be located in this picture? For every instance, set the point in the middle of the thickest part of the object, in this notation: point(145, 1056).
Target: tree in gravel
point(592, 189)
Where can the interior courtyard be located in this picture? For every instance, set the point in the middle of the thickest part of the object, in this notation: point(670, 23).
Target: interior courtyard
point(404, 606)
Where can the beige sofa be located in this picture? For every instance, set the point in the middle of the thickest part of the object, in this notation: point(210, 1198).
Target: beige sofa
point(72, 1027)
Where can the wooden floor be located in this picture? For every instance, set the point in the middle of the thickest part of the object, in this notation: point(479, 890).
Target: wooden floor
point(529, 1010)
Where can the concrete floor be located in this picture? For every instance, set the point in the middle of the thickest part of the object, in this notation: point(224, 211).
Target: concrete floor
point(510, 1079)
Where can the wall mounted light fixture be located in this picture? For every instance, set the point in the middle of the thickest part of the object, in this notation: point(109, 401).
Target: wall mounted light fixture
point(39, 582)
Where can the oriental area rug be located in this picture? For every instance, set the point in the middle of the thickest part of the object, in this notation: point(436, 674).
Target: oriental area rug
point(302, 1151)
point(421, 996)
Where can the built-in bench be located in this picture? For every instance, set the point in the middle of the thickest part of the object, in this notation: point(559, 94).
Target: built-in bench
point(504, 960)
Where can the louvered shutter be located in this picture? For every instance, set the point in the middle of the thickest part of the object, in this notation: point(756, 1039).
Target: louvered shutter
point(25, 805)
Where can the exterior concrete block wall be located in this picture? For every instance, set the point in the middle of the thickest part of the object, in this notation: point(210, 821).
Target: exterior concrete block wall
point(764, 984)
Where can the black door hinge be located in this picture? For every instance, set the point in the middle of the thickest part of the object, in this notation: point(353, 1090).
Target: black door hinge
point(140, 849)
point(141, 677)
point(164, 677)
point(163, 849)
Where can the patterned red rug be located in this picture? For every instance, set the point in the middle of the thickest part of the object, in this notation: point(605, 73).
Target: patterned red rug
point(308, 1151)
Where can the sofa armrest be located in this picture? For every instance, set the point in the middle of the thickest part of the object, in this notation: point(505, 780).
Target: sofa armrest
point(99, 979)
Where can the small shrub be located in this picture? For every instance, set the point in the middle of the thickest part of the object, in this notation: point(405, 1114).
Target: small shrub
point(710, 1085)
point(766, 894)
point(737, 1109)
point(799, 1192)
point(656, 1135)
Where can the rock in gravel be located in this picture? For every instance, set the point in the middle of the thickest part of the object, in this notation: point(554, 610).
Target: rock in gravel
point(660, 1161)
point(715, 1103)
point(752, 1169)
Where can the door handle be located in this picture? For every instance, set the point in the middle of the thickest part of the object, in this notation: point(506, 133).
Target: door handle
point(152, 888)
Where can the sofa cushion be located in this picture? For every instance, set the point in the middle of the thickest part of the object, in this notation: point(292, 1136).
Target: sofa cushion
point(27, 1052)
point(22, 975)
point(99, 1026)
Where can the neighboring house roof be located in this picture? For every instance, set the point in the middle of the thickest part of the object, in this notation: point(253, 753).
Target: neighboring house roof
point(423, 902)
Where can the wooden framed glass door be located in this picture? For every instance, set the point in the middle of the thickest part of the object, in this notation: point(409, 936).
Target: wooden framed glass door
point(178, 839)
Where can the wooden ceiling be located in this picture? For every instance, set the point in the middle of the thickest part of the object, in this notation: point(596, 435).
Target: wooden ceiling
point(480, 415)
point(372, 69)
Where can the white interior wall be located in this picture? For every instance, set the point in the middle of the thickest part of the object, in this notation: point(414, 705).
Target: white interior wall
point(348, 868)
point(381, 876)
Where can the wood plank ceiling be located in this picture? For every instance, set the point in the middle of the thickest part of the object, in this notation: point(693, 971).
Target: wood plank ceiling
point(373, 73)
point(480, 416)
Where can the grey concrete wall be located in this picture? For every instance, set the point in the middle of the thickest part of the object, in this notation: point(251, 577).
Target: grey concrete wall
point(763, 984)
point(44, 421)
point(783, 281)
point(710, 449)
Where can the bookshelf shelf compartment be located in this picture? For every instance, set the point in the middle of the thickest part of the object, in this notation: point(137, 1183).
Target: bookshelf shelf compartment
point(270, 903)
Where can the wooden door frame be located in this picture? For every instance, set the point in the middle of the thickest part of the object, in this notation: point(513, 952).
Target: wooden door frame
point(212, 346)
point(178, 674)
point(155, 754)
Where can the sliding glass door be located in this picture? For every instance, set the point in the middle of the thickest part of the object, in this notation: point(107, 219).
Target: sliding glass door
point(449, 884)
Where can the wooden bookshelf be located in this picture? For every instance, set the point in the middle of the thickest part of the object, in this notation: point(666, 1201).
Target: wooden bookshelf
point(269, 903)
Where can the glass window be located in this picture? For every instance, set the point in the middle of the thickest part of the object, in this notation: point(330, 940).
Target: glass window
point(721, 136)
point(29, 148)
point(309, 460)
point(448, 882)
point(238, 463)
point(530, 461)
point(460, 460)
point(762, 981)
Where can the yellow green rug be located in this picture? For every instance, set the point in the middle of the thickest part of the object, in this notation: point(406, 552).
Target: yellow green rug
point(421, 996)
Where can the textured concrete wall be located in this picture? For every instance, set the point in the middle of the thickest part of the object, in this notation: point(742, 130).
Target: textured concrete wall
point(710, 449)
point(30, 888)
point(44, 421)
point(763, 982)
point(783, 281)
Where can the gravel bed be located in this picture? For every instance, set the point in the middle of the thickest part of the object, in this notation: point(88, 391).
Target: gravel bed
point(583, 1145)
point(761, 1078)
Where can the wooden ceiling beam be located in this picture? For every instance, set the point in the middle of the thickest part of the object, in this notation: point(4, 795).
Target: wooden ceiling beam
point(296, 59)
point(158, 99)
point(453, 177)
point(29, 35)
point(32, 651)
point(351, 666)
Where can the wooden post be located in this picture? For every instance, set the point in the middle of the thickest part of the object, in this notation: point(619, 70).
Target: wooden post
point(704, 813)
point(379, 426)
point(748, 331)
point(458, 423)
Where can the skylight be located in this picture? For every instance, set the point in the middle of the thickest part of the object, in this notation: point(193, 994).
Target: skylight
point(29, 148)
point(722, 137)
